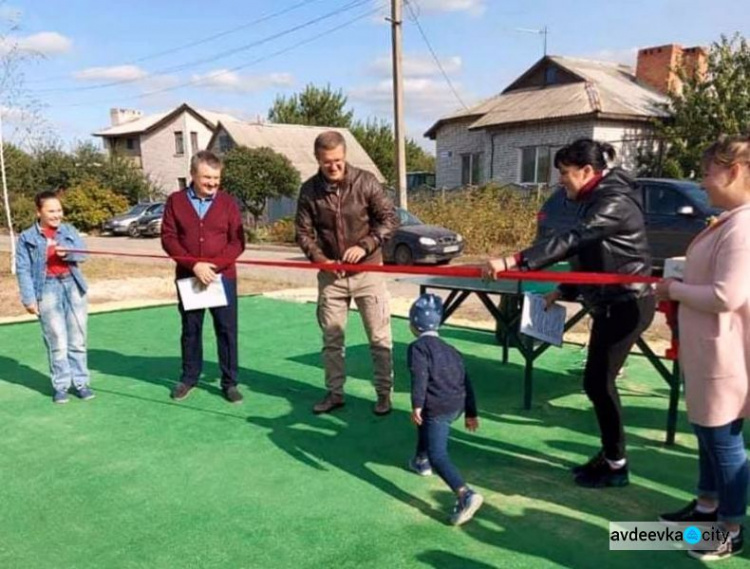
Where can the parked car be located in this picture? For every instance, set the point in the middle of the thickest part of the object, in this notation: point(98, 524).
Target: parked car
point(416, 242)
point(675, 212)
point(149, 225)
point(125, 224)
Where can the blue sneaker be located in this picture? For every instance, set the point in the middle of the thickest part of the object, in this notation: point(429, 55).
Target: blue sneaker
point(60, 397)
point(421, 466)
point(466, 506)
point(85, 393)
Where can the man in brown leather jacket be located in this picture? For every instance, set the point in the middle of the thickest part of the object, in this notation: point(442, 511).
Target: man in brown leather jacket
point(344, 215)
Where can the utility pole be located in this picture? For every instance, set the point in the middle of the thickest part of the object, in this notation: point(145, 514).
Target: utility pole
point(398, 101)
point(6, 201)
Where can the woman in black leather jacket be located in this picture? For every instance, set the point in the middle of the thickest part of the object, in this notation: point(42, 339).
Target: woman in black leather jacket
point(609, 237)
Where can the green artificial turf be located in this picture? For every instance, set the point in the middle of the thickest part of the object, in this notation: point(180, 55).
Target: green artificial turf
point(132, 479)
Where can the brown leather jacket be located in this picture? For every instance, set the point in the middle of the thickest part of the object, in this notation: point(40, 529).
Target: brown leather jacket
point(331, 219)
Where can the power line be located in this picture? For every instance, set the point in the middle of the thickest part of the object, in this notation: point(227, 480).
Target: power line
point(415, 19)
point(350, 6)
point(292, 47)
point(197, 42)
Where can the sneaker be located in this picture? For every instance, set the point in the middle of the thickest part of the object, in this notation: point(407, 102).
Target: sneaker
point(60, 397)
point(725, 550)
point(421, 466)
point(181, 391)
point(603, 475)
point(329, 403)
point(383, 405)
point(688, 515)
point(85, 393)
point(466, 506)
point(594, 462)
point(232, 394)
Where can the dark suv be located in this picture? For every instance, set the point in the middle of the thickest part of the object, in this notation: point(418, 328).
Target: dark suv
point(676, 211)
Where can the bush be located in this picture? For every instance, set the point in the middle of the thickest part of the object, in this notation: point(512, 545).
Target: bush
point(281, 231)
point(494, 220)
point(88, 205)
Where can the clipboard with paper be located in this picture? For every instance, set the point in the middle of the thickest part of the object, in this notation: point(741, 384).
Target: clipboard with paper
point(194, 295)
point(545, 325)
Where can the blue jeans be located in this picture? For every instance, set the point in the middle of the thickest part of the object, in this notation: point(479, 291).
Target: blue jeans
point(723, 469)
point(432, 443)
point(63, 312)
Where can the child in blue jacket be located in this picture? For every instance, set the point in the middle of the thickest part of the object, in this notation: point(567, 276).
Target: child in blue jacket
point(440, 392)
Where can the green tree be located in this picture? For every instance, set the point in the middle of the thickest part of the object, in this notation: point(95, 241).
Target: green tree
point(315, 106)
point(718, 103)
point(19, 171)
point(254, 175)
point(114, 172)
point(53, 167)
point(379, 141)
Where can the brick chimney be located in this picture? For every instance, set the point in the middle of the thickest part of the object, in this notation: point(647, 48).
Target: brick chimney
point(122, 116)
point(658, 66)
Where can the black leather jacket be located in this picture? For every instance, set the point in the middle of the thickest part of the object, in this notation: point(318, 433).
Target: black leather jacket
point(609, 237)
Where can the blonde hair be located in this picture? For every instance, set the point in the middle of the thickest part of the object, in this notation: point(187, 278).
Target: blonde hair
point(728, 150)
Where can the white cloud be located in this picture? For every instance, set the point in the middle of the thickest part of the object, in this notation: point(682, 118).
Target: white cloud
point(229, 81)
point(424, 98)
point(113, 73)
point(417, 65)
point(43, 43)
point(473, 7)
point(16, 114)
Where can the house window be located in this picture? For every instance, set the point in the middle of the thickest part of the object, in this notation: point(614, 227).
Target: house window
point(225, 143)
point(182, 183)
point(535, 165)
point(194, 142)
point(179, 143)
point(550, 75)
point(471, 169)
point(130, 143)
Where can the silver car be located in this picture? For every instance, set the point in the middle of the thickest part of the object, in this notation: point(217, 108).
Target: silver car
point(127, 223)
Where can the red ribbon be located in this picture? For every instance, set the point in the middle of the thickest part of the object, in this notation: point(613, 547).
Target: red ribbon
point(465, 271)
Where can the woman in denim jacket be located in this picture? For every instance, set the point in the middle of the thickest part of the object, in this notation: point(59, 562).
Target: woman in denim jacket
point(53, 288)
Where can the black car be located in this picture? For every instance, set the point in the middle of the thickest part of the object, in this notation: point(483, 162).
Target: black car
point(416, 242)
point(675, 211)
point(149, 225)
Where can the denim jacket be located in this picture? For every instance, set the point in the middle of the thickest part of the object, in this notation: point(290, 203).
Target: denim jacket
point(31, 260)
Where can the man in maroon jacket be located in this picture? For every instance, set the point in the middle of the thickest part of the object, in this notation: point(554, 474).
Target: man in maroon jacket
point(202, 222)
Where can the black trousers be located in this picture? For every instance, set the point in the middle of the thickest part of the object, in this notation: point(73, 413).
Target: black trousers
point(615, 330)
point(225, 327)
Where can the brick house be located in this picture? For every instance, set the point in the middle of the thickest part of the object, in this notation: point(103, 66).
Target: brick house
point(512, 137)
point(161, 144)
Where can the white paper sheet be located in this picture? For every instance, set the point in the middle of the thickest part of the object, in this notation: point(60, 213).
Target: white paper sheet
point(545, 325)
point(194, 295)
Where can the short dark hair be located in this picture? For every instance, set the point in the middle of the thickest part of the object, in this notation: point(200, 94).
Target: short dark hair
point(585, 152)
point(329, 140)
point(45, 195)
point(204, 157)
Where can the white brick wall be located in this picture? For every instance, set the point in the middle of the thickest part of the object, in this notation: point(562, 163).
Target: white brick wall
point(453, 140)
point(160, 162)
point(501, 147)
point(626, 138)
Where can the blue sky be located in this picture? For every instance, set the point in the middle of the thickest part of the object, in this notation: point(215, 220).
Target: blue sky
point(83, 45)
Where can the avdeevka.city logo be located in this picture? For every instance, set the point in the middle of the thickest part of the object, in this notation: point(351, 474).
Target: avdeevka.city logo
point(656, 536)
point(692, 535)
